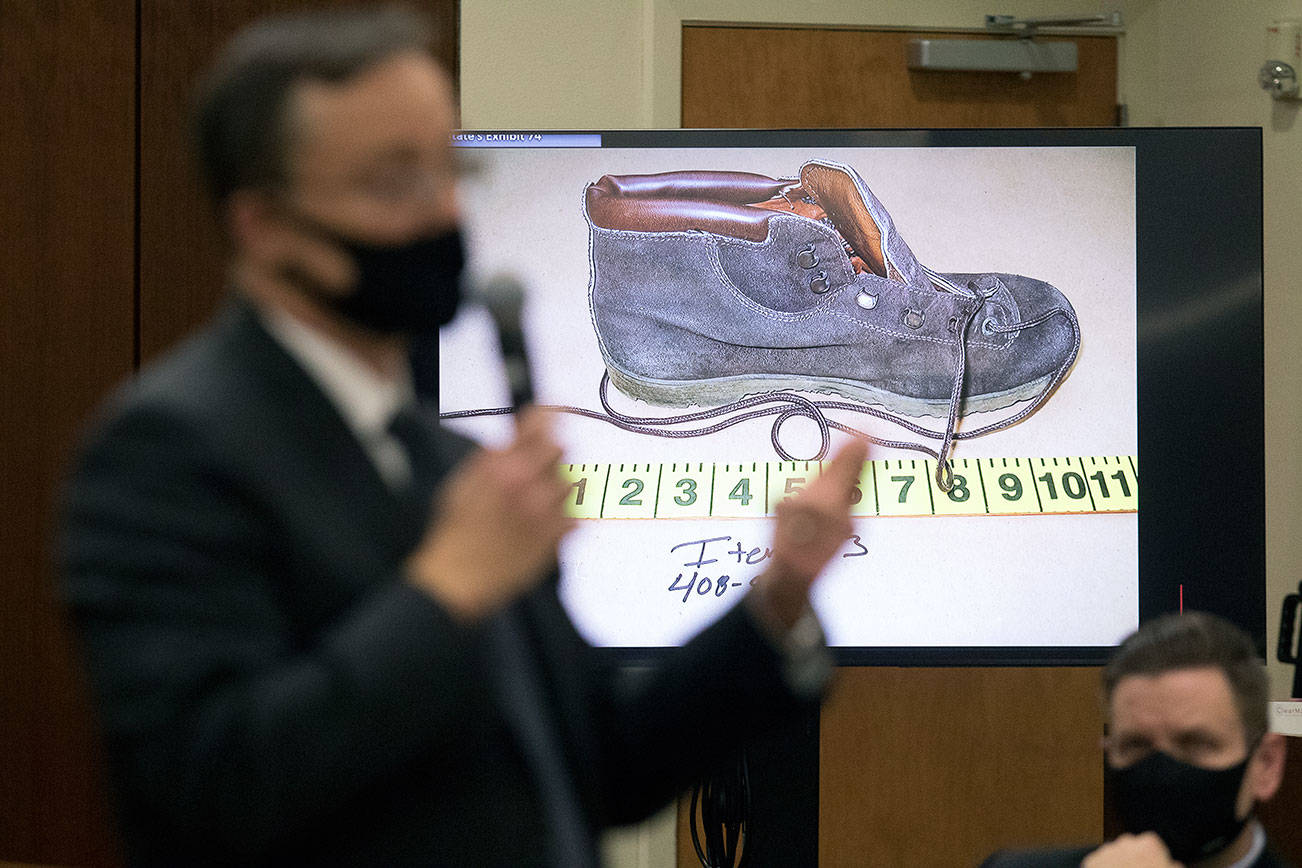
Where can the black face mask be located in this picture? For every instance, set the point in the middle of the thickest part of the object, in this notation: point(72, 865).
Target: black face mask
point(1191, 808)
point(412, 288)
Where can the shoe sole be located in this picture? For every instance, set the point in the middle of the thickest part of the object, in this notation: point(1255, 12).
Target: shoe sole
point(716, 391)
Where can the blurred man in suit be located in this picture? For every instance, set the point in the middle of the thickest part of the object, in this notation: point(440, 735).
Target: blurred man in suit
point(1188, 752)
point(320, 628)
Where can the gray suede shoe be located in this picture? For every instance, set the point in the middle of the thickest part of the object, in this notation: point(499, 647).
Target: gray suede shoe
point(709, 286)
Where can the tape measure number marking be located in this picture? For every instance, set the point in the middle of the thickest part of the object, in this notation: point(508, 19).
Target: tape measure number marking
point(895, 487)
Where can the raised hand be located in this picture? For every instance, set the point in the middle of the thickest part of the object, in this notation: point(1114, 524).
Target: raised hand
point(496, 524)
point(811, 527)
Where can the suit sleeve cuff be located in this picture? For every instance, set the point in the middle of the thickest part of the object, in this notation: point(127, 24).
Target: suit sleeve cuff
point(807, 663)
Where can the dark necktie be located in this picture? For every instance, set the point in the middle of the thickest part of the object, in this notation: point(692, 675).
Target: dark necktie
point(415, 498)
point(516, 678)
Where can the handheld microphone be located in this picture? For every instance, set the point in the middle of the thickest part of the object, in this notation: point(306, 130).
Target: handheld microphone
point(503, 297)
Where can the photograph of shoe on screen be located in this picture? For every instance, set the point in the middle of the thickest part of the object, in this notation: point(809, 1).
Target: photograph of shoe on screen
point(708, 307)
point(804, 285)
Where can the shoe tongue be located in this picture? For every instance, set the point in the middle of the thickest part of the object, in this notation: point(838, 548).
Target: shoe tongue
point(862, 221)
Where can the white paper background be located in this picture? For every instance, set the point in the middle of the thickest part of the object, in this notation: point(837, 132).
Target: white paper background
point(1063, 215)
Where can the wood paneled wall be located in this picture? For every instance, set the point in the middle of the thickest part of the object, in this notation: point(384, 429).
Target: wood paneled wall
point(109, 255)
point(67, 308)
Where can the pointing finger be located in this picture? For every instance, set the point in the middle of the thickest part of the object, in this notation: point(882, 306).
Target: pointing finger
point(842, 472)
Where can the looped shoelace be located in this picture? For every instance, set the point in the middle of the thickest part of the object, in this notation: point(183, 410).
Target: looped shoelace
point(787, 405)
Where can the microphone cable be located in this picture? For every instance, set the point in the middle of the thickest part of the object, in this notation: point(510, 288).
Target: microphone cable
point(725, 804)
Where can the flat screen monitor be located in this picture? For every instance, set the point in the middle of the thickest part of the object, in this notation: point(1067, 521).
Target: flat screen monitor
point(711, 310)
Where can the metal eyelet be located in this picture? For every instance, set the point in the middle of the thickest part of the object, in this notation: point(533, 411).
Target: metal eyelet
point(819, 284)
point(988, 326)
point(914, 318)
point(806, 258)
point(866, 299)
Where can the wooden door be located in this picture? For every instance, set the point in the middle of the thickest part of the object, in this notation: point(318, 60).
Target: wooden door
point(804, 77)
point(927, 767)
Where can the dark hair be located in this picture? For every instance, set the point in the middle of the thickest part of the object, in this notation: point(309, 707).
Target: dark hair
point(239, 118)
point(1196, 640)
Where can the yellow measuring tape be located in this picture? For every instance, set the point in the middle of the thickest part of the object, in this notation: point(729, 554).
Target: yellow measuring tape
point(898, 487)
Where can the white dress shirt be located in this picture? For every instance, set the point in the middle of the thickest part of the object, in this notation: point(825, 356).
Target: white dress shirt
point(1258, 845)
point(366, 400)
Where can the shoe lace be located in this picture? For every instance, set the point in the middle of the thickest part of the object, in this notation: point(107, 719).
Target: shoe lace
point(782, 404)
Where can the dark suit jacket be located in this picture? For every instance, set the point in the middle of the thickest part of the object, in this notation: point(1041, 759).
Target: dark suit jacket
point(1071, 858)
point(271, 689)
point(1067, 858)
